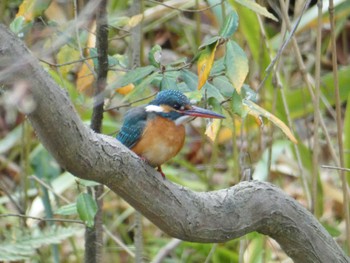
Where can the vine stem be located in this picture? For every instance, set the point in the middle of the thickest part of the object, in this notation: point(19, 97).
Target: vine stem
point(339, 123)
point(316, 147)
point(136, 56)
point(94, 235)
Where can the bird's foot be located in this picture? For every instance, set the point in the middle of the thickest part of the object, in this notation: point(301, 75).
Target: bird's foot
point(143, 159)
point(159, 169)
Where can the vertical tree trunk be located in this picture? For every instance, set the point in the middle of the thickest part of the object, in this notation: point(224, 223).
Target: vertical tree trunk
point(94, 235)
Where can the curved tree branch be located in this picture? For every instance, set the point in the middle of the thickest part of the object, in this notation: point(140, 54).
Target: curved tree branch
point(216, 216)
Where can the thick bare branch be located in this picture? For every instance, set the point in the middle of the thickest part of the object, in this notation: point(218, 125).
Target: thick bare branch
point(216, 216)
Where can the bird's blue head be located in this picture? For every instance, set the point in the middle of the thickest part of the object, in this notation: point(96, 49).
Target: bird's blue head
point(174, 105)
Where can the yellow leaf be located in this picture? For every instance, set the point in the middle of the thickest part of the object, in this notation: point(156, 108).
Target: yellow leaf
point(126, 89)
point(225, 135)
point(57, 13)
point(67, 54)
point(135, 20)
point(212, 129)
point(205, 63)
point(30, 9)
point(91, 41)
point(256, 111)
point(85, 78)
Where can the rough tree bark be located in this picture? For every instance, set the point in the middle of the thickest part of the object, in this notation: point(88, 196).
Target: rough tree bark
point(216, 216)
point(94, 235)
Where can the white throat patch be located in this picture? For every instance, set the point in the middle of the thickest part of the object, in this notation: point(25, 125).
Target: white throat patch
point(183, 119)
point(154, 108)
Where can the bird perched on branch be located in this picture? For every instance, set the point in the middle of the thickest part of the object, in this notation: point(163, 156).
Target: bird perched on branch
point(156, 131)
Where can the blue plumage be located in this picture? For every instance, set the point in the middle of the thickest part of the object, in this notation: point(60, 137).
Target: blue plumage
point(134, 123)
point(170, 97)
point(135, 119)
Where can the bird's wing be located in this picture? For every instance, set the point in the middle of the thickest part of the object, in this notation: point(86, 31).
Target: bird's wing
point(134, 123)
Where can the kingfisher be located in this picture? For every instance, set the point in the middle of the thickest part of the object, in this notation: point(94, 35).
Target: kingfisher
point(156, 131)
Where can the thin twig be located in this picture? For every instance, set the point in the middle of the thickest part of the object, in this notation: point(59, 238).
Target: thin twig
point(289, 120)
point(94, 235)
point(280, 51)
point(306, 77)
point(130, 103)
point(336, 168)
point(185, 10)
point(118, 241)
point(67, 63)
point(317, 114)
point(3, 187)
point(44, 219)
point(274, 102)
point(211, 253)
point(136, 56)
point(164, 251)
point(41, 182)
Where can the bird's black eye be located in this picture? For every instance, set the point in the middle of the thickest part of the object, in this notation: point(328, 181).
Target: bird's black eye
point(178, 107)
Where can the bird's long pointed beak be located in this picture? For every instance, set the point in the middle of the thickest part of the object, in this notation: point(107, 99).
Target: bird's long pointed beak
point(203, 113)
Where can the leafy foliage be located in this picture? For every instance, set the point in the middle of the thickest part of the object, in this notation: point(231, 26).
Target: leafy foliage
point(86, 208)
point(23, 247)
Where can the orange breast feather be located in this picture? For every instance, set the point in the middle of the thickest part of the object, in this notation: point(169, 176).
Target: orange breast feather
point(160, 141)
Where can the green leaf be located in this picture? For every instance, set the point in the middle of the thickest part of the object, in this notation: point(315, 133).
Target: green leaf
point(251, 34)
point(256, 246)
point(88, 183)
point(11, 139)
point(87, 209)
point(255, 7)
point(236, 63)
point(112, 61)
point(279, 147)
point(218, 67)
point(178, 62)
point(295, 96)
point(209, 42)
point(346, 135)
point(133, 76)
point(224, 85)
point(155, 55)
point(93, 53)
point(248, 93)
point(212, 92)
point(18, 24)
point(168, 83)
point(44, 165)
point(237, 105)
point(142, 89)
point(67, 210)
point(190, 79)
point(332, 230)
point(230, 26)
point(220, 9)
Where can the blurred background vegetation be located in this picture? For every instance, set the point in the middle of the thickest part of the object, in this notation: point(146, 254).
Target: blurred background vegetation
point(237, 41)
